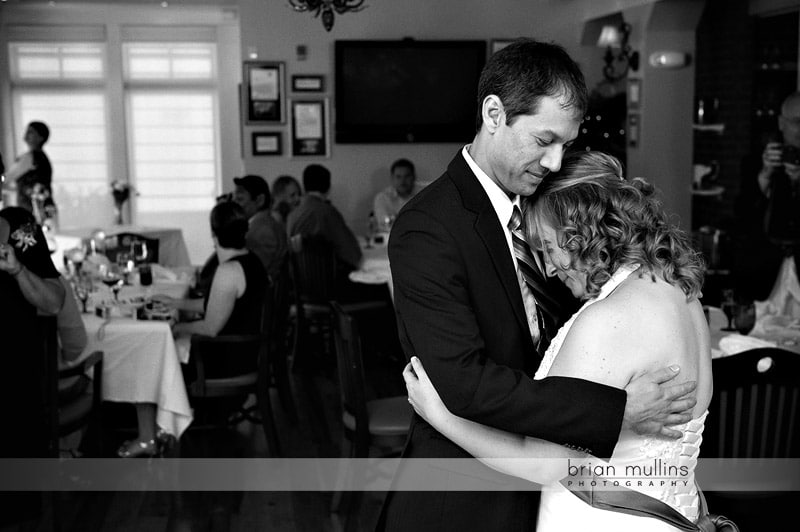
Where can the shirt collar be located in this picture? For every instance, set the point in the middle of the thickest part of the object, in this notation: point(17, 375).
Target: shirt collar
point(503, 205)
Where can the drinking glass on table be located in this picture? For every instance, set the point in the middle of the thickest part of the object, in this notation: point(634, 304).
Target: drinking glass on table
point(83, 287)
point(728, 306)
point(112, 278)
point(744, 317)
point(145, 275)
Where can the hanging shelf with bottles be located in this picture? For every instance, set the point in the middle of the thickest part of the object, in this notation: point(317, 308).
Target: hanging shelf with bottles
point(705, 117)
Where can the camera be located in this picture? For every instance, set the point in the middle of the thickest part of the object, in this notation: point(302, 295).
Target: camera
point(791, 155)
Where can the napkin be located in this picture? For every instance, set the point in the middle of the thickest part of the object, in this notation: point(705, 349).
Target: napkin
point(369, 276)
point(737, 343)
point(162, 273)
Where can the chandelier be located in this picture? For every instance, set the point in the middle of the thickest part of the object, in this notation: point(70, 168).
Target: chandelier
point(327, 7)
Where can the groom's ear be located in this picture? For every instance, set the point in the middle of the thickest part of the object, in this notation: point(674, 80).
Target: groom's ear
point(493, 112)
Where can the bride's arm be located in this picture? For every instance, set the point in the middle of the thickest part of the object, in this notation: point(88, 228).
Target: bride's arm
point(532, 459)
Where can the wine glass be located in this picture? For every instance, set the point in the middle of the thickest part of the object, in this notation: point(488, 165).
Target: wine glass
point(728, 306)
point(113, 279)
point(745, 317)
point(82, 293)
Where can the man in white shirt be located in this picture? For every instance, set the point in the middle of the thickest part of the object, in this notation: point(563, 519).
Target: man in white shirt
point(388, 202)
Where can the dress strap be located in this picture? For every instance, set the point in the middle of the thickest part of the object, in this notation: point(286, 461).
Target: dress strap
point(617, 278)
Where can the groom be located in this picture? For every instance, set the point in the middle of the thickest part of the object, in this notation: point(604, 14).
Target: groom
point(472, 304)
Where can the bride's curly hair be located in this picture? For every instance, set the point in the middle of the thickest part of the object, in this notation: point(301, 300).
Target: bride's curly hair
point(605, 222)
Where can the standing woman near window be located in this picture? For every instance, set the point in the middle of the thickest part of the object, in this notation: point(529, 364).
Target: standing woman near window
point(33, 174)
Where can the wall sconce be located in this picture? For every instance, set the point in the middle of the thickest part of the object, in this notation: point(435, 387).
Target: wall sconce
point(668, 59)
point(616, 38)
point(327, 7)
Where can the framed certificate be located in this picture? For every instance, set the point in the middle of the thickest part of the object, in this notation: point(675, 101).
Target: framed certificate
point(310, 135)
point(264, 92)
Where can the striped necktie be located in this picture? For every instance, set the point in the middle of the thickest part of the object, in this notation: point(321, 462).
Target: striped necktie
point(528, 273)
point(527, 264)
point(530, 269)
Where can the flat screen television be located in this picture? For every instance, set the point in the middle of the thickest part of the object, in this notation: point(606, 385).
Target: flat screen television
point(407, 90)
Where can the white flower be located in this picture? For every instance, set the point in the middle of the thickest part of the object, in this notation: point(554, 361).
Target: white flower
point(24, 237)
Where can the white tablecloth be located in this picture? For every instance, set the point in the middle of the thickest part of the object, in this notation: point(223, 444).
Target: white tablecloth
point(374, 267)
point(172, 249)
point(140, 361)
point(770, 331)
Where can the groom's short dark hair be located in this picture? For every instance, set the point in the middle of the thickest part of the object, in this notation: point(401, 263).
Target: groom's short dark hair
point(526, 70)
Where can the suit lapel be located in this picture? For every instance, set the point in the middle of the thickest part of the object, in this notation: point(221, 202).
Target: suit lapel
point(489, 231)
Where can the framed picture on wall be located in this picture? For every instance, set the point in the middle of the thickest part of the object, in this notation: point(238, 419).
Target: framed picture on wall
point(634, 93)
point(633, 130)
point(310, 127)
point(264, 92)
point(267, 143)
point(308, 83)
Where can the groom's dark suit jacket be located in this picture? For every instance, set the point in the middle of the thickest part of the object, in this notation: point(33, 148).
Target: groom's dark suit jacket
point(459, 309)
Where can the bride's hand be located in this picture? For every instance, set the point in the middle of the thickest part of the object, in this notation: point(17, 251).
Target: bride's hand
point(422, 395)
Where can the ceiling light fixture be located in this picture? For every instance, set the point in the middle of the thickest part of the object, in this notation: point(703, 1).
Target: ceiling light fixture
point(326, 8)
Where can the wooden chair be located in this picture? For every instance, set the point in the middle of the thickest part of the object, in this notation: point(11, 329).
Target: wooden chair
point(379, 424)
point(277, 323)
point(72, 402)
point(207, 387)
point(313, 274)
point(754, 413)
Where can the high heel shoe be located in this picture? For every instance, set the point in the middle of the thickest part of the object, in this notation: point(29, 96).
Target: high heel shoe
point(165, 439)
point(139, 449)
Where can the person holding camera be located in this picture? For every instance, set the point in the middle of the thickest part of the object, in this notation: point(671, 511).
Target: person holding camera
point(768, 211)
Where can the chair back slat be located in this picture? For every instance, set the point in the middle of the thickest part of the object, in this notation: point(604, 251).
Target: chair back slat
point(314, 270)
point(350, 368)
point(754, 411)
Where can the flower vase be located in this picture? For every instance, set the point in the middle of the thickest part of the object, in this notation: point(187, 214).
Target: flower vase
point(118, 214)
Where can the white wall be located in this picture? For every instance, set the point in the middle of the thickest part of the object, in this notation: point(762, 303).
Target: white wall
point(275, 31)
point(360, 170)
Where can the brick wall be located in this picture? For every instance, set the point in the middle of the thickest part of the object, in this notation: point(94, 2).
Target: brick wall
point(724, 70)
point(732, 48)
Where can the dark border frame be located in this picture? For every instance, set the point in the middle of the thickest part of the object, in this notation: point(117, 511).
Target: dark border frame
point(308, 83)
point(264, 111)
point(311, 146)
point(277, 136)
point(634, 91)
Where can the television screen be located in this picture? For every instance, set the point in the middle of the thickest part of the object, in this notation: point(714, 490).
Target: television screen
point(407, 91)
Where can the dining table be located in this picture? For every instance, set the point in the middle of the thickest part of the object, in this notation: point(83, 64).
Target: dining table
point(141, 363)
point(768, 331)
point(374, 268)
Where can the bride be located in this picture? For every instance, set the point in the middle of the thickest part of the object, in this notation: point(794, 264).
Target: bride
point(611, 244)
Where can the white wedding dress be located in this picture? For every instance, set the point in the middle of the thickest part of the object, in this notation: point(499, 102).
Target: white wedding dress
point(655, 457)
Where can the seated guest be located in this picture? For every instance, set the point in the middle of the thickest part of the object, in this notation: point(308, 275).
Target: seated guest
point(265, 236)
point(71, 330)
point(286, 196)
point(316, 217)
point(231, 306)
point(389, 201)
point(28, 285)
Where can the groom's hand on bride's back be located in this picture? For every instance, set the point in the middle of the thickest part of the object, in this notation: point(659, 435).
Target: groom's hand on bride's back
point(656, 402)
